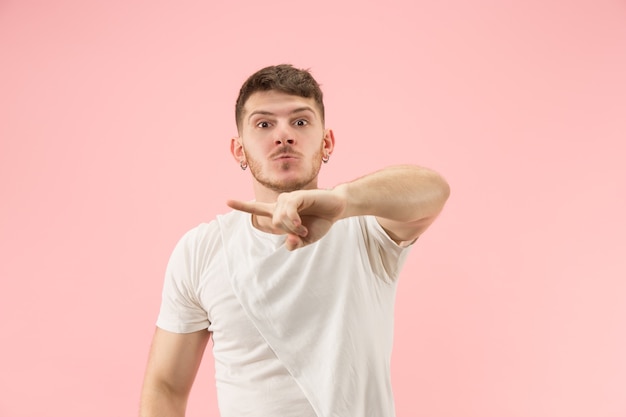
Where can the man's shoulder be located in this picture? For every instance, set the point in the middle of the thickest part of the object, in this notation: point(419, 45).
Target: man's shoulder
point(212, 229)
point(230, 222)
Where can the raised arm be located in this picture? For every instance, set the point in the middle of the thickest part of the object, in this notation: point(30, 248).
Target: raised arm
point(405, 199)
point(172, 367)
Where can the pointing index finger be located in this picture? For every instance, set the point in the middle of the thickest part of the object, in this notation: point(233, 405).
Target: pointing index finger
point(252, 207)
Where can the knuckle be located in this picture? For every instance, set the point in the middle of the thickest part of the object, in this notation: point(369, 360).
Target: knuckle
point(277, 222)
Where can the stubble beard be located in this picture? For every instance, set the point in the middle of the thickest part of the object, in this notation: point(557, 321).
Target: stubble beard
point(286, 186)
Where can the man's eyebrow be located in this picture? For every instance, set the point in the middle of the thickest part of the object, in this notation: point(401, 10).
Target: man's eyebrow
point(269, 113)
point(301, 109)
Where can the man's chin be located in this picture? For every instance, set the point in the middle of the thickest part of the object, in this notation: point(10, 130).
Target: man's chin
point(286, 181)
point(288, 185)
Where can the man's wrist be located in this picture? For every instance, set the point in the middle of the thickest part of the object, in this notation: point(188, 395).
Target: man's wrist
point(342, 191)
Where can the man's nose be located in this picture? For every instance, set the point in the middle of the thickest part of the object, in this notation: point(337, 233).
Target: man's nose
point(284, 136)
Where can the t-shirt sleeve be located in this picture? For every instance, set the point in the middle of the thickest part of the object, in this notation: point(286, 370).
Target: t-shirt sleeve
point(386, 256)
point(181, 310)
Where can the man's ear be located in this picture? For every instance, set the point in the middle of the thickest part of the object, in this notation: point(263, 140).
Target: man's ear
point(329, 142)
point(236, 149)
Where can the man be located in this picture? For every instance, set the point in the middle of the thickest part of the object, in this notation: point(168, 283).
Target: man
point(297, 287)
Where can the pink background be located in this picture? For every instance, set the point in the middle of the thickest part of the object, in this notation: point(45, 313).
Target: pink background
point(115, 120)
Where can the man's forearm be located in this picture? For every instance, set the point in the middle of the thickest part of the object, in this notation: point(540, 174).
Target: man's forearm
point(402, 193)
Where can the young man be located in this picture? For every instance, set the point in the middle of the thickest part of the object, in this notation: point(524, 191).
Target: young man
point(297, 287)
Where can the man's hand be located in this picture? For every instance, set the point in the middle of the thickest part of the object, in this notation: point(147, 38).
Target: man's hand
point(304, 215)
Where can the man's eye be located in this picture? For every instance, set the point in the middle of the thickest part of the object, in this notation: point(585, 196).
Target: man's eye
point(301, 122)
point(263, 124)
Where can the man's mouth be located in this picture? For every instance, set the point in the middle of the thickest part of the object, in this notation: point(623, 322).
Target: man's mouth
point(286, 156)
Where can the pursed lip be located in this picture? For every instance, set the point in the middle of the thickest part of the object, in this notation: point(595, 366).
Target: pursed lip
point(285, 156)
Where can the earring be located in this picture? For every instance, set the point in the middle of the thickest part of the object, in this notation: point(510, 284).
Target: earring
point(243, 165)
point(325, 159)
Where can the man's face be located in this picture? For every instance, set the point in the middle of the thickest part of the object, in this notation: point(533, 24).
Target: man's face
point(282, 139)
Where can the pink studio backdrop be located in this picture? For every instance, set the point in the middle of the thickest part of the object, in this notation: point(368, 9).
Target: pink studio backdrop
point(115, 120)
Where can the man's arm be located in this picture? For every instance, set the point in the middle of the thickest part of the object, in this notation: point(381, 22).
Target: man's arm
point(405, 199)
point(172, 367)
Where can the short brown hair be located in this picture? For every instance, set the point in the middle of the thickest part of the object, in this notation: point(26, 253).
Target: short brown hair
point(283, 78)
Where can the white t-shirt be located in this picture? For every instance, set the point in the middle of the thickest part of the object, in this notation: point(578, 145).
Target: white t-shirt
point(301, 333)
